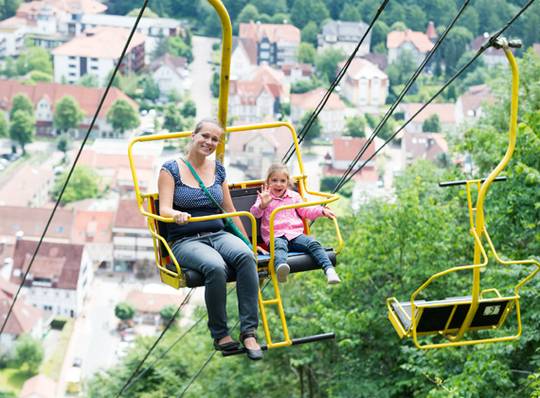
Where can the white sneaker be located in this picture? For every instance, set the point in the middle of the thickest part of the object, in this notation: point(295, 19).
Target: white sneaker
point(332, 276)
point(282, 272)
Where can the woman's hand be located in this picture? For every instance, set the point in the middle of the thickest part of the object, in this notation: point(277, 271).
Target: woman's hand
point(326, 212)
point(181, 217)
point(264, 197)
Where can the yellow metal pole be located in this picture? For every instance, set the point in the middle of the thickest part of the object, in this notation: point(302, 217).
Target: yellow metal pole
point(226, 51)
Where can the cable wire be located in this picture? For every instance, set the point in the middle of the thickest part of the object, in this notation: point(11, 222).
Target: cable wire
point(171, 321)
point(398, 100)
point(101, 102)
point(481, 50)
point(335, 82)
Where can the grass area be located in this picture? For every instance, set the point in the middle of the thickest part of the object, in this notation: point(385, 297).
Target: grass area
point(12, 380)
point(53, 366)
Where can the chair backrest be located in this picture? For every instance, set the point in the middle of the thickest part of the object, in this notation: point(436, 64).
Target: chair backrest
point(243, 199)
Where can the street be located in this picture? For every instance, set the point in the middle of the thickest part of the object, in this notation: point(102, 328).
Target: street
point(202, 68)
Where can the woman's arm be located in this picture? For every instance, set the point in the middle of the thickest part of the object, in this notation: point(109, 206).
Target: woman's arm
point(166, 193)
point(228, 206)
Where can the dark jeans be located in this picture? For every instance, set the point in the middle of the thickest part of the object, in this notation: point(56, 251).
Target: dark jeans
point(304, 244)
point(214, 256)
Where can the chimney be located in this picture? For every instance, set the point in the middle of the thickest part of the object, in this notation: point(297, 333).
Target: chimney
point(431, 32)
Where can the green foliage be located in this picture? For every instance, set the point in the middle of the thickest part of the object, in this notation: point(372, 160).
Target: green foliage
point(314, 131)
point(122, 116)
point(39, 76)
point(4, 126)
point(172, 119)
point(303, 86)
point(21, 102)
point(432, 124)
point(401, 69)
point(34, 59)
point(350, 13)
point(356, 126)
point(329, 183)
point(88, 80)
point(67, 114)
point(28, 354)
point(456, 41)
point(63, 143)
point(305, 11)
point(150, 88)
point(214, 85)
point(248, 13)
point(8, 8)
point(83, 184)
point(168, 312)
point(124, 311)
point(189, 109)
point(178, 47)
point(148, 13)
point(378, 34)
point(306, 53)
point(327, 62)
point(309, 33)
point(9, 68)
point(22, 127)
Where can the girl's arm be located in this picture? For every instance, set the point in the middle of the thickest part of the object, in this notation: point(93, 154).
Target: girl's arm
point(229, 207)
point(311, 212)
point(256, 209)
point(166, 193)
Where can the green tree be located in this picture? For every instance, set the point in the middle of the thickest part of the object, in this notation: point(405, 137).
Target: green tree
point(89, 80)
point(327, 62)
point(350, 13)
point(28, 353)
point(39, 76)
point(150, 88)
point(248, 13)
point(401, 70)
point(304, 11)
point(4, 126)
point(309, 33)
point(379, 33)
point(148, 13)
point(314, 131)
point(270, 7)
point(124, 311)
point(67, 114)
point(306, 53)
point(34, 59)
point(9, 69)
point(456, 41)
point(83, 184)
point(214, 85)
point(21, 102)
point(168, 312)
point(356, 126)
point(416, 17)
point(189, 109)
point(22, 127)
point(172, 119)
point(178, 47)
point(122, 116)
point(432, 124)
point(63, 144)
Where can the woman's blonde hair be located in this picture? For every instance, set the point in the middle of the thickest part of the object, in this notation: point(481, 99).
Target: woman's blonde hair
point(202, 122)
point(277, 168)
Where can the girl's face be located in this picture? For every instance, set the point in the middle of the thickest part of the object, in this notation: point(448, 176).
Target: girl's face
point(278, 183)
point(206, 140)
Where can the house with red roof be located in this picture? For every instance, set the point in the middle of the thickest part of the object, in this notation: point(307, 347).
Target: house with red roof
point(96, 52)
point(60, 276)
point(446, 112)
point(132, 243)
point(243, 57)
point(257, 97)
point(44, 97)
point(332, 116)
point(428, 146)
point(365, 85)
point(469, 105)
point(171, 74)
point(148, 305)
point(24, 319)
point(276, 44)
point(416, 43)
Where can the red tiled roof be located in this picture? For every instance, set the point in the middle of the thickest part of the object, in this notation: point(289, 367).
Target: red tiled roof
point(150, 302)
point(360, 64)
point(274, 32)
point(39, 386)
point(87, 97)
point(97, 160)
point(311, 99)
point(367, 174)
point(346, 148)
point(60, 262)
point(424, 145)
point(23, 317)
point(475, 96)
point(93, 226)
point(103, 42)
point(249, 46)
point(31, 221)
point(128, 215)
point(445, 111)
point(8, 288)
point(71, 6)
point(419, 39)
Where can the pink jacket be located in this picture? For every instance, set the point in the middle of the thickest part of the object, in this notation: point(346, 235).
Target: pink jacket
point(287, 222)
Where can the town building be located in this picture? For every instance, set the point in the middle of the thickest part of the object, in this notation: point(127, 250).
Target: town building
point(445, 111)
point(276, 44)
point(428, 146)
point(149, 305)
point(96, 52)
point(418, 44)
point(365, 85)
point(133, 248)
point(44, 96)
point(243, 57)
point(332, 116)
point(30, 185)
point(469, 105)
point(93, 229)
point(491, 56)
point(59, 279)
point(171, 74)
point(297, 72)
point(345, 36)
point(12, 32)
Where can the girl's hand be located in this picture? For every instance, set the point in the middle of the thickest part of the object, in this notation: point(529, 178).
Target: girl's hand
point(261, 250)
point(264, 196)
point(181, 217)
point(326, 212)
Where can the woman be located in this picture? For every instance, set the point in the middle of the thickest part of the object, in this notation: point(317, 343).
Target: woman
point(205, 246)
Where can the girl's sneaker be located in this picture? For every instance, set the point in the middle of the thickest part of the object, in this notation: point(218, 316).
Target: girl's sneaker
point(282, 272)
point(332, 276)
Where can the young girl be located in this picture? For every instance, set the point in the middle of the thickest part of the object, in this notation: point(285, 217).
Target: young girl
point(288, 225)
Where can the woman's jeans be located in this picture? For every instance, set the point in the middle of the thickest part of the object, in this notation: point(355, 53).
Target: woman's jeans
point(302, 243)
point(215, 256)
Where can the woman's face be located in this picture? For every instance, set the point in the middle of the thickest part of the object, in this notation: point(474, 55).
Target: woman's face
point(207, 139)
point(278, 183)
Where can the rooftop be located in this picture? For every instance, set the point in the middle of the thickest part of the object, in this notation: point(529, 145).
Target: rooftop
point(23, 317)
point(346, 148)
point(311, 99)
point(39, 386)
point(420, 40)
point(445, 111)
point(150, 302)
point(274, 32)
point(360, 67)
point(128, 215)
point(71, 6)
point(32, 221)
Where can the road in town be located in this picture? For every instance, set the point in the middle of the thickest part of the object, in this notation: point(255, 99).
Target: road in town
point(201, 75)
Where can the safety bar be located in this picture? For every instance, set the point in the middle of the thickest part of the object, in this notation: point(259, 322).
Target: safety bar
point(444, 184)
point(298, 341)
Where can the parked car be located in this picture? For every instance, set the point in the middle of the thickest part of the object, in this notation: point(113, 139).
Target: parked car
point(77, 362)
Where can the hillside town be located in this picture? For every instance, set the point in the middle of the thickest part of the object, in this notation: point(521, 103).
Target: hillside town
point(56, 60)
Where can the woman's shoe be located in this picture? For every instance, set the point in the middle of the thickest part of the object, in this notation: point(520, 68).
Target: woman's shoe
point(228, 346)
point(254, 355)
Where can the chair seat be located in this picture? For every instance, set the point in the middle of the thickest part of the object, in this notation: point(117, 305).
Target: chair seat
point(299, 262)
point(448, 315)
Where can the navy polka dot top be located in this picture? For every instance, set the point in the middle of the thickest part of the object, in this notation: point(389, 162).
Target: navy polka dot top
point(195, 202)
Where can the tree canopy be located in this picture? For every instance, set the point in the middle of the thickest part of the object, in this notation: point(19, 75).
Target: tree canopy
point(122, 116)
point(83, 184)
point(67, 114)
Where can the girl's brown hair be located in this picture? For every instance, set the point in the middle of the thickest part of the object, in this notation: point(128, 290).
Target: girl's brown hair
point(202, 122)
point(277, 168)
